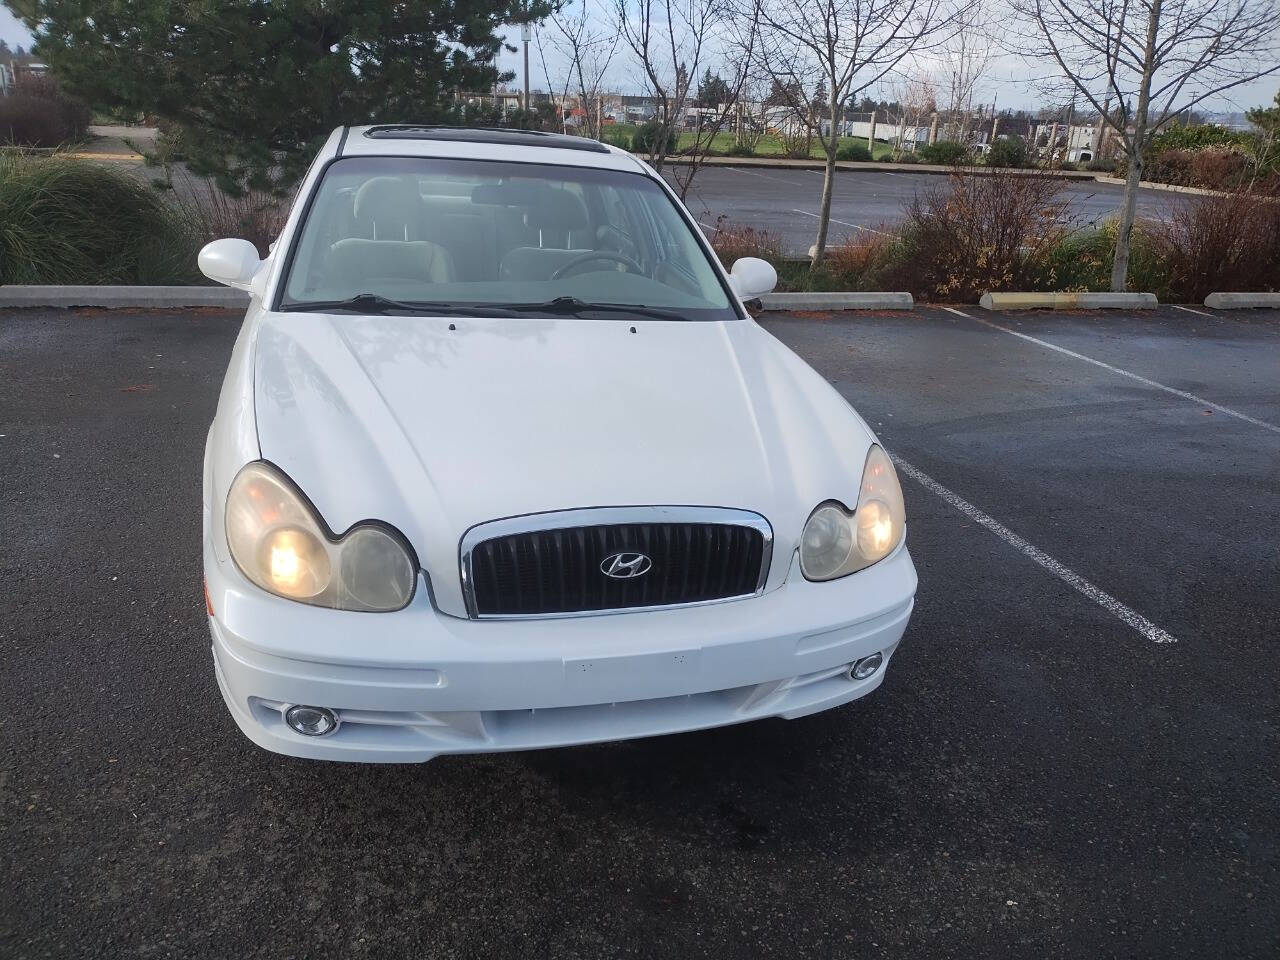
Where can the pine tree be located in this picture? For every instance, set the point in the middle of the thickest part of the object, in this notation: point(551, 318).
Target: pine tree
point(256, 87)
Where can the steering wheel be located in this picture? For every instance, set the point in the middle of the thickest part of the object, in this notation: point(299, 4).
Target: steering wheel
point(609, 255)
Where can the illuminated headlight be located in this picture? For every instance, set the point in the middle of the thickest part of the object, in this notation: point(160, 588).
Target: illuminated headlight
point(836, 542)
point(279, 543)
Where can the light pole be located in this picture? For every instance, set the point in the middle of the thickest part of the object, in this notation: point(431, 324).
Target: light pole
point(526, 34)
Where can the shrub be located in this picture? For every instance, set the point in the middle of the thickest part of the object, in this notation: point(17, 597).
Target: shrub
point(978, 233)
point(1101, 165)
point(1008, 152)
point(855, 152)
point(1210, 167)
point(1197, 137)
point(646, 136)
point(253, 215)
point(1168, 166)
point(908, 158)
point(740, 150)
point(1081, 260)
point(1067, 165)
point(1221, 242)
point(862, 261)
point(1220, 169)
point(798, 152)
point(731, 241)
point(65, 220)
point(39, 114)
point(947, 152)
point(620, 139)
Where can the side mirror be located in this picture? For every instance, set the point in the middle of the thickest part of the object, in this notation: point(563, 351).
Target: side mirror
point(752, 277)
point(233, 262)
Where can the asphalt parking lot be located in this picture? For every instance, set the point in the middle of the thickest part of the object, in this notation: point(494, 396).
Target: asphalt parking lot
point(785, 200)
point(1076, 752)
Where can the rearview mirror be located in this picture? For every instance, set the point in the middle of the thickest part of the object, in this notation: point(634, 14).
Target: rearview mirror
point(233, 262)
point(752, 277)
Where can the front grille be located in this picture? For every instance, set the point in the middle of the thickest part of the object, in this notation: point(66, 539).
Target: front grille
point(553, 571)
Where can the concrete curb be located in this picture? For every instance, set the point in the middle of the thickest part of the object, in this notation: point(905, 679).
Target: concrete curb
point(1242, 301)
point(1166, 187)
point(21, 295)
point(1069, 301)
point(876, 166)
point(837, 301)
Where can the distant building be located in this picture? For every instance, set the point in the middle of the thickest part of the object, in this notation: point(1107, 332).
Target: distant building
point(1076, 143)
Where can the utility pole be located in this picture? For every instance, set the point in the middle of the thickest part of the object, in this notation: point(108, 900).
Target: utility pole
point(871, 136)
point(1101, 138)
point(526, 34)
point(1071, 111)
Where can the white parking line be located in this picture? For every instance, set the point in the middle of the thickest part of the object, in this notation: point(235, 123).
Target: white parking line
point(844, 223)
point(1125, 373)
point(1198, 313)
point(1065, 574)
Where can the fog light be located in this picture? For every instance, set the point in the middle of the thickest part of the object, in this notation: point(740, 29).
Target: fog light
point(311, 721)
point(866, 667)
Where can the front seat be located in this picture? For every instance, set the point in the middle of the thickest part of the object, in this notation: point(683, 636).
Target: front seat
point(557, 218)
point(388, 215)
point(354, 261)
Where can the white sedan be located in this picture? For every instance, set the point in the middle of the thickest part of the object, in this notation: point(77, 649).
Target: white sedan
point(502, 462)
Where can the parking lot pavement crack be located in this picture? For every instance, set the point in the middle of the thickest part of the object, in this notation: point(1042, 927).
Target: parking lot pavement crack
point(1063, 573)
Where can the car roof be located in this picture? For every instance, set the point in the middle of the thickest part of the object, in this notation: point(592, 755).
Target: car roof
point(485, 143)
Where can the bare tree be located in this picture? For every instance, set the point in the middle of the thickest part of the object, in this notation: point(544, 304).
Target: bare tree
point(964, 62)
point(551, 87)
point(711, 118)
point(668, 40)
point(917, 97)
point(589, 49)
point(850, 45)
point(751, 107)
point(1154, 59)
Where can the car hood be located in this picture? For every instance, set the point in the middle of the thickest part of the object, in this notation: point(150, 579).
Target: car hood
point(434, 425)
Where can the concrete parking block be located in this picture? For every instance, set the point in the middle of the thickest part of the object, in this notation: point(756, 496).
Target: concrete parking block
point(1242, 301)
point(135, 297)
point(1069, 301)
point(837, 301)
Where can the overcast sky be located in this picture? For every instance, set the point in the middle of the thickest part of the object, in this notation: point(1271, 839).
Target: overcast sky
point(11, 31)
point(1009, 83)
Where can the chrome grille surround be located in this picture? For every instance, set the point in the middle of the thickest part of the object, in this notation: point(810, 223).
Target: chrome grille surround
point(609, 516)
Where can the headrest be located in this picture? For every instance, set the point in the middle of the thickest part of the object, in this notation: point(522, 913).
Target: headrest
point(388, 200)
point(546, 207)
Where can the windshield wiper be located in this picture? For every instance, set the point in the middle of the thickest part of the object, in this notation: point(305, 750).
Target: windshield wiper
point(572, 306)
point(375, 303)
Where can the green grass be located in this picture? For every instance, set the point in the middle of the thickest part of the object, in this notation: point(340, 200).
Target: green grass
point(769, 146)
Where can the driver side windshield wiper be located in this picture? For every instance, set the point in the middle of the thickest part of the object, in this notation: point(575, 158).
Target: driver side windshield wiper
point(574, 307)
point(375, 303)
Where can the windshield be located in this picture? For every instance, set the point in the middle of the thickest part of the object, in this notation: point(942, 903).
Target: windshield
point(396, 232)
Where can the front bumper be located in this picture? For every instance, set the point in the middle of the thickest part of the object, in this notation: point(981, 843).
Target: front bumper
point(411, 685)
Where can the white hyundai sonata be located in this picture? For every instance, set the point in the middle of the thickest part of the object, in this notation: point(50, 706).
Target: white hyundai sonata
point(502, 462)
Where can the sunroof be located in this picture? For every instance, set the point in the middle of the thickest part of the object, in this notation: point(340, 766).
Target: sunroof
point(521, 138)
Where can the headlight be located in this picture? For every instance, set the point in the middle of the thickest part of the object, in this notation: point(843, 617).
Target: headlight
point(280, 544)
point(836, 542)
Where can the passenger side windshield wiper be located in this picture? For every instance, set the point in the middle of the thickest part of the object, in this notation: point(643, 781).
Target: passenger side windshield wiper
point(574, 307)
point(376, 303)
